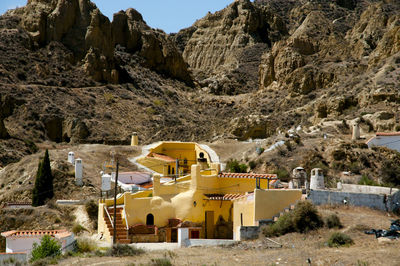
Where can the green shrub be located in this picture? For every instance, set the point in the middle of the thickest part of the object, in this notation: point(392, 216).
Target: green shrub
point(333, 221)
point(234, 166)
point(283, 226)
point(78, 229)
point(282, 174)
point(160, 262)
point(48, 247)
point(252, 165)
point(119, 250)
point(338, 239)
point(306, 217)
point(302, 219)
point(365, 180)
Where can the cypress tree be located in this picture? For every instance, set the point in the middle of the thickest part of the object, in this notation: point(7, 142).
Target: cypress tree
point(43, 188)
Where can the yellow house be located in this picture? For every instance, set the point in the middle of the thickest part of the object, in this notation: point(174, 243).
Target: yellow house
point(200, 197)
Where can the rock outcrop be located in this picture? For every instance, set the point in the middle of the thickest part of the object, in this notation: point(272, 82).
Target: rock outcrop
point(154, 46)
point(228, 45)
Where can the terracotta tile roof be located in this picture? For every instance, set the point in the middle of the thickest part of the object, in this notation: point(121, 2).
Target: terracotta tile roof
point(387, 133)
point(61, 233)
point(162, 157)
point(224, 196)
point(247, 175)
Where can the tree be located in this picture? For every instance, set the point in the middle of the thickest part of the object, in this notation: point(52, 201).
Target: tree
point(43, 189)
point(48, 247)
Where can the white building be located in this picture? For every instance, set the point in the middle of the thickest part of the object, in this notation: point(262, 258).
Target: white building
point(389, 140)
point(22, 241)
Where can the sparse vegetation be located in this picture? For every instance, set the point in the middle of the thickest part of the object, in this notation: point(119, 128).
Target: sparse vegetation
point(302, 219)
point(252, 165)
point(365, 180)
point(234, 166)
point(339, 239)
point(160, 262)
point(92, 210)
point(119, 250)
point(77, 229)
point(282, 174)
point(84, 245)
point(390, 173)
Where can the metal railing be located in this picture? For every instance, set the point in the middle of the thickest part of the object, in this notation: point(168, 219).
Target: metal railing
point(126, 222)
point(109, 217)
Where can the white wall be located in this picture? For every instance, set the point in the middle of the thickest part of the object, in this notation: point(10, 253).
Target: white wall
point(392, 142)
point(25, 244)
point(21, 244)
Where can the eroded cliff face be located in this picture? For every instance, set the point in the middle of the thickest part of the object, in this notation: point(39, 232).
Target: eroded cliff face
point(156, 49)
point(88, 34)
point(247, 71)
point(224, 49)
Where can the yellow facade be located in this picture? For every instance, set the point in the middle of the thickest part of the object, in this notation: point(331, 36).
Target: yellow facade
point(198, 196)
point(187, 154)
point(262, 205)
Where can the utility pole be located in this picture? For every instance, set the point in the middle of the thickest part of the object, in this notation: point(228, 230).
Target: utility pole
point(115, 205)
point(177, 169)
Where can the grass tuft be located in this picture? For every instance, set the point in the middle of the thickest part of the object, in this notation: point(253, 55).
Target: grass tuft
point(339, 239)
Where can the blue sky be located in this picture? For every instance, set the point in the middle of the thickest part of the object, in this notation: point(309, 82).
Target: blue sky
point(168, 15)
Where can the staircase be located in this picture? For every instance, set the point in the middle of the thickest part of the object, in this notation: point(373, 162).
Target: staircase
point(122, 232)
point(288, 209)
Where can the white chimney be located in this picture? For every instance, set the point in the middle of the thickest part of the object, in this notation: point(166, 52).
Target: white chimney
point(78, 172)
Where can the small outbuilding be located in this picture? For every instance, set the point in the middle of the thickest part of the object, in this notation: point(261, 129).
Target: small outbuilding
point(22, 241)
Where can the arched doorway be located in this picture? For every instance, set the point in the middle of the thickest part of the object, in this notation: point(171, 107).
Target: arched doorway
point(150, 219)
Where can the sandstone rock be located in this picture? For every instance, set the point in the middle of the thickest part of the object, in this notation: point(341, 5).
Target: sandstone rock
point(252, 126)
point(159, 52)
point(78, 24)
point(74, 130)
point(218, 43)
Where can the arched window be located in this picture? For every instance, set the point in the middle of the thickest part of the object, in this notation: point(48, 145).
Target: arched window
point(149, 219)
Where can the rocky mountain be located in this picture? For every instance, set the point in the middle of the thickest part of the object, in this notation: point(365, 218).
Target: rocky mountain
point(251, 70)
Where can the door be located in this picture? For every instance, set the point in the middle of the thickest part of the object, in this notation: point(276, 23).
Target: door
point(209, 224)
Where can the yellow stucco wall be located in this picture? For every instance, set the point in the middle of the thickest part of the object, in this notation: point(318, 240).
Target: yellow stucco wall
point(178, 150)
point(262, 204)
point(270, 202)
point(243, 207)
point(179, 206)
point(102, 226)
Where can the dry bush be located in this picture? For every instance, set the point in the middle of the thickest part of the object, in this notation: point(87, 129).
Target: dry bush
point(333, 221)
point(119, 250)
point(338, 239)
